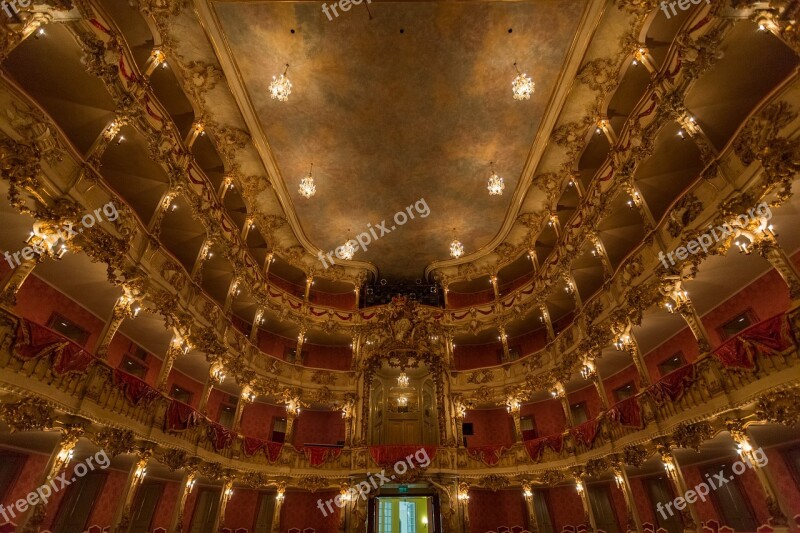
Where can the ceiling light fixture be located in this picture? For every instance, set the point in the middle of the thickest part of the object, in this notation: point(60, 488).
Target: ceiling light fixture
point(281, 88)
point(522, 86)
point(402, 379)
point(307, 187)
point(348, 250)
point(496, 184)
point(456, 248)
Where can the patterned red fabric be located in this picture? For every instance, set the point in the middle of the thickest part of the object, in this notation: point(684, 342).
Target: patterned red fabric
point(318, 455)
point(586, 433)
point(388, 455)
point(180, 416)
point(536, 447)
point(220, 436)
point(766, 338)
point(33, 340)
point(252, 445)
point(628, 412)
point(134, 388)
point(672, 386)
point(489, 455)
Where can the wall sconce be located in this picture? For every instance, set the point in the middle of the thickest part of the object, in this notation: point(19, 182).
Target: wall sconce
point(229, 492)
point(463, 493)
point(279, 497)
point(579, 486)
point(190, 485)
point(588, 371)
point(218, 373)
point(293, 407)
point(512, 405)
point(139, 474)
point(247, 394)
point(619, 480)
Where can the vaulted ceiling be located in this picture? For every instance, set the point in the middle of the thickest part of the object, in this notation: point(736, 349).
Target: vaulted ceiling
point(406, 101)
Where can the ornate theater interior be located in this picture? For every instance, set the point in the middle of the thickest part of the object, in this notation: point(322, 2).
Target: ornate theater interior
point(480, 266)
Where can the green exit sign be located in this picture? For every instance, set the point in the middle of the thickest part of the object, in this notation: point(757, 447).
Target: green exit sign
point(403, 489)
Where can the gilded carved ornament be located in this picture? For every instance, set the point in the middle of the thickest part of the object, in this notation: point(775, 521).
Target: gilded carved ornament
point(782, 407)
point(28, 414)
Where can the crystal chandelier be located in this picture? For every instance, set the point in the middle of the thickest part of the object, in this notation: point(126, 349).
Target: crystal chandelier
point(496, 184)
point(456, 248)
point(522, 86)
point(402, 379)
point(348, 249)
point(281, 88)
point(307, 187)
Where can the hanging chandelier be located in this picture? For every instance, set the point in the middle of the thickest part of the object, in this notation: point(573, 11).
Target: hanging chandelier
point(348, 249)
point(522, 86)
point(496, 184)
point(281, 88)
point(307, 187)
point(402, 379)
point(456, 248)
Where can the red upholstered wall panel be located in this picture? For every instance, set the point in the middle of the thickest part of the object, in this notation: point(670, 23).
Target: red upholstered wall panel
point(274, 345)
point(346, 300)
point(620, 509)
point(642, 500)
point(684, 342)
point(37, 300)
point(166, 505)
point(530, 342)
point(241, 509)
point(185, 382)
point(565, 506)
point(188, 508)
point(619, 379)
point(318, 427)
point(28, 478)
point(767, 297)
point(469, 356)
point(460, 299)
point(106, 505)
point(121, 345)
point(488, 510)
point(705, 510)
point(257, 419)
point(590, 396)
point(330, 357)
point(785, 484)
point(548, 415)
point(300, 510)
point(491, 426)
point(215, 400)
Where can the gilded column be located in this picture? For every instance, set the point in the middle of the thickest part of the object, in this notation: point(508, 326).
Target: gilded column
point(122, 516)
point(224, 497)
point(757, 460)
point(691, 519)
point(279, 497)
point(187, 485)
point(125, 307)
point(530, 509)
point(31, 519)
point(177, 347)
point(621, 479)
point(580, 486)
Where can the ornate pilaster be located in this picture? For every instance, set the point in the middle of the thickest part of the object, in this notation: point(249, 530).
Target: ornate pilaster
point(756, 459)
point(177, 347)
point(463, 505)
point(678, 301)
point(224, 497)
point(513, 406)
point(530, 510)
point(770, 250)
point(187, 485)
point(246, 397)
point(126, 306)
point(30, 521)
point(580, 486)
point(621, 479)
point(122, 517)
point(280, 495)
point(691, 520)
point(14, 280)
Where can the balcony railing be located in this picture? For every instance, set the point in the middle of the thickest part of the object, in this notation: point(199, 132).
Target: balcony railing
point(56, 369)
